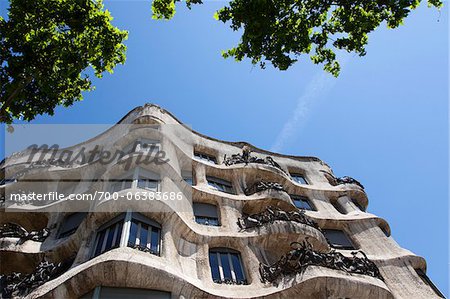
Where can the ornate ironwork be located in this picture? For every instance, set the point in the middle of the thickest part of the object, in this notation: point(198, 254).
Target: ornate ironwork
point(272, 214)
point(348, 180)
point(19, 285)
point(261, 186)
point(342, 180)
point(142, 248)
point(12, 230)
point(231, 281)
point(246, 158)
point(302, 255)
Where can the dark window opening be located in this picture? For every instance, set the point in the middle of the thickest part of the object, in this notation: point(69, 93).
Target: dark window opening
point(70, 224)
point(299, 179)
point(205, 157)
point(302, 202)
point(338, 239)
point(220, 185)
point(206, 214)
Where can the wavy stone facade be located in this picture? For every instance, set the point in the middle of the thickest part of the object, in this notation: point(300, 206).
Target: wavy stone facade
point(266, 226)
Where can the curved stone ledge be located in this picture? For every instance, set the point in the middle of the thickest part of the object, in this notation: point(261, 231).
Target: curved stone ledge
point(114, 268)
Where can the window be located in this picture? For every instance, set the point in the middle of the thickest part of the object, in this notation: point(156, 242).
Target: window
point(108, 237)
point(206, 214)
point(102, 292)
point(427, 281)
point(187, 177)
point(138, 178)
point(138, 231)
point(143, 146)
point(125, 183)
point(337, 239)
point(302, 202)
point(205, 157)
point(144, 235)
point(299, 179)
point(226, 266)
point(7, 181)
point(149, 184)
point(220, 185)
point(70, 224)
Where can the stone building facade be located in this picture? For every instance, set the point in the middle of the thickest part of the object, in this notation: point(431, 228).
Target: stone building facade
point(250, 224)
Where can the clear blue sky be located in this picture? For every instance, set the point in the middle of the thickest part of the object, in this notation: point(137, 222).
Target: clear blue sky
point(384, 121)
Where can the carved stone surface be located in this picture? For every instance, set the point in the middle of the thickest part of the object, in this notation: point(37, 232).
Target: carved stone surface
point(302, 255)
point(246, 158)
point(262, 186)
point(271, 214)
point(19, 285)
point(11, 230)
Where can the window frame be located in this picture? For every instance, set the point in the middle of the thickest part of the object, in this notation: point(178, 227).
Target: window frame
point(350, 246)
point(188, 177)
point(137, 146)
point(106, 227)
point(294, 175)
point(197, 217)
point(217, 181)
point(150, 223)
point(218, 252)
point(212, 159)
point(302, 198)
point(134, 176)
point(64, 234)
point(124, 221)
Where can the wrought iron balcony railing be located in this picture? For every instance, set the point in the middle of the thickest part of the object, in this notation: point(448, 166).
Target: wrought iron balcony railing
point(272, 214)
point(302, 255)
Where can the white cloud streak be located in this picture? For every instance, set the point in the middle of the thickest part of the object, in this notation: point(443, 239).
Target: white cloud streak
point(317, 88)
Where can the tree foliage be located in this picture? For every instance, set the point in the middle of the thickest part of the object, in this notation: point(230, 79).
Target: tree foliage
point(46, 47)
point(280, 31)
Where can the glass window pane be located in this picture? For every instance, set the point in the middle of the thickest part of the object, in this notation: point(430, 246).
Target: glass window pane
point(142, 183)
point(237, 267)
point(299, 179)
point(110, 237)
point(338, 239)
point(302, 203)
point(152, 185)
point(155, 240)
point(127, 184)
point(214, 264)
point(116, 187)
point(225, 266)
point(143, 235)
point(100, 239)
point(133, 234)
point(71, 224)
point(205, 209)
point(220, 185)
point(119, 234)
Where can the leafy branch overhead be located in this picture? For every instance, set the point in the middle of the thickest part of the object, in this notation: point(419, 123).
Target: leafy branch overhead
point(46, 47)
point(280, 31)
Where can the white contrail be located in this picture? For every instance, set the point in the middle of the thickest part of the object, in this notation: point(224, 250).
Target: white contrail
point(317, 88)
